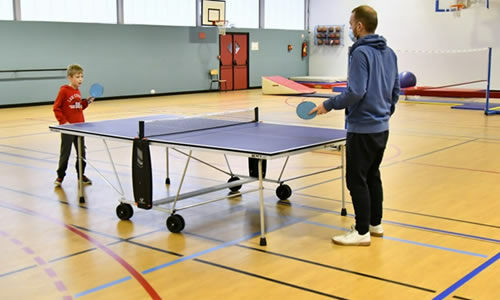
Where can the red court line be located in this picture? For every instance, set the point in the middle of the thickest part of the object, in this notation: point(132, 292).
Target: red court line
point(455, 168)
point(288, 103)
point(127, 266)
point(145, 284)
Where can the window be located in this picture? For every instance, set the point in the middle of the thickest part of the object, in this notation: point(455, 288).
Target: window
point(88, 11)
point(160, 12)
point(284, 14)
point(6, 10)
point(243, 13)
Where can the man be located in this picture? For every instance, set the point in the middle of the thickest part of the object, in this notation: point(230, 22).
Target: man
point(369, 101)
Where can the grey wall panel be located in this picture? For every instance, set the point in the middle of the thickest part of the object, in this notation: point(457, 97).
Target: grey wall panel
point(273, 57)
point(130, 59)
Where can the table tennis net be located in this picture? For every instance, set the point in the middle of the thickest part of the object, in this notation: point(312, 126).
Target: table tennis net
point(169, 126)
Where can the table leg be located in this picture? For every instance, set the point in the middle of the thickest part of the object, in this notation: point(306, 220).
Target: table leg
point(263, 241)
point(80, 169)
point(343, 212)
point(167, 180)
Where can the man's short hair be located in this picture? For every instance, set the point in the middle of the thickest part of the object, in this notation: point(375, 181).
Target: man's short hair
point(366, 15)
point(74, 69)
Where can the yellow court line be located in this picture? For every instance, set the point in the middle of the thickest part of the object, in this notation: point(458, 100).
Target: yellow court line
point(433, 103)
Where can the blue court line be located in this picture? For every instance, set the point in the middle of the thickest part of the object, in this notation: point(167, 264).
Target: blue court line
point(27, 149)
point(22, 135)
point(188, 257)
point(436, 247)
point(467, 277)
point(226, 244)
point(47, 160)
point(101, 287)
point(17, 271)
point(325, 210)
point(184, 258)
point(22, 165)
point(26, 193)
point(444, 231)
point(406, 241)
point(106, 171)
point(409, 225)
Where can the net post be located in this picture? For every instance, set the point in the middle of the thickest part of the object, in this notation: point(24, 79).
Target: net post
point(256, 111)
point(487, 106)
point(141, 130)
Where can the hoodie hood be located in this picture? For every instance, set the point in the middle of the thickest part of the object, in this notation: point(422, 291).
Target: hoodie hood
point(372, 40)
point(68, 88)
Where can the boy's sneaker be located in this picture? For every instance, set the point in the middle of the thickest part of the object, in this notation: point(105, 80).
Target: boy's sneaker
point(86, 180)
point(58, 181)
point(352, 238)
point(377, 231)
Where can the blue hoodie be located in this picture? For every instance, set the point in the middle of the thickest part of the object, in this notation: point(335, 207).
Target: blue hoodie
point(372, 86)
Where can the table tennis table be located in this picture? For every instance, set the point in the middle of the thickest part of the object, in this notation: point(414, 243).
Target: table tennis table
point(223, 133)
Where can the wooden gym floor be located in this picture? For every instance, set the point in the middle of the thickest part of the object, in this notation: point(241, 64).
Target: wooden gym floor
point(441, 175)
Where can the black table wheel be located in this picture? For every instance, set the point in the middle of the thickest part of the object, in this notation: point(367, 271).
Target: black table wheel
point(234, 188)
point(283, 191)
point(175, 223)
point(124, 211)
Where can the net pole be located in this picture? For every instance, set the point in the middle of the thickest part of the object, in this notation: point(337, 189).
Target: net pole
point(141, 129)
point(487, 106)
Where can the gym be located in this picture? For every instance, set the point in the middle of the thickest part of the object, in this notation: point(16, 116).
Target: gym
point(246, 208)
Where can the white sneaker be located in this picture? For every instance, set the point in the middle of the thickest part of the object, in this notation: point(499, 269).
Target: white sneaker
point(352, 238)
point(377, 231)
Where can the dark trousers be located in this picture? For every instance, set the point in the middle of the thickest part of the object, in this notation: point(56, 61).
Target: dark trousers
point(364, 154)
point(66, 142)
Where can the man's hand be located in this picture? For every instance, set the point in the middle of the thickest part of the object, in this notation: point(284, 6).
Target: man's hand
point(90, 99)
point(320, 110)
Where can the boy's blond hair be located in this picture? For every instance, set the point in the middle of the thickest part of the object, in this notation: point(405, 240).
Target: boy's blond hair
point(74, 69)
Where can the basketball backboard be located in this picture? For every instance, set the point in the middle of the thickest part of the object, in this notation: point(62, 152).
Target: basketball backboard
point(453, 5)
point(212, 11)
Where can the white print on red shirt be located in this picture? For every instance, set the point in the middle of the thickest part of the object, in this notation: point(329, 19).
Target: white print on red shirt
point(77, 104)
point(73, 97)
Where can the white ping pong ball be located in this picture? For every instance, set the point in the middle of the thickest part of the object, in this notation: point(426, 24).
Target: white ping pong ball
point(153, 91)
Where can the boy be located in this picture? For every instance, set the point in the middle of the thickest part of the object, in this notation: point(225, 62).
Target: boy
point(68, 108)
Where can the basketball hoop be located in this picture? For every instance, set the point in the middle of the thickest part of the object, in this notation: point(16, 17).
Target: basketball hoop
point(458, 6)
point(221, 26)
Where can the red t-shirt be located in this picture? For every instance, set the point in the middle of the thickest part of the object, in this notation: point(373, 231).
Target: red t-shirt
point(69, 105)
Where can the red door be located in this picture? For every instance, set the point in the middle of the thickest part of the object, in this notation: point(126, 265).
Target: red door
point(240, 62)
point(234, 61)
point(226, 61)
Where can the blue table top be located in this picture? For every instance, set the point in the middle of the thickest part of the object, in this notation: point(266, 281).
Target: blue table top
point(256, 138)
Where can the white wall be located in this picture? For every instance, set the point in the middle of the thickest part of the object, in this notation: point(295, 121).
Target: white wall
point(413, 26)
